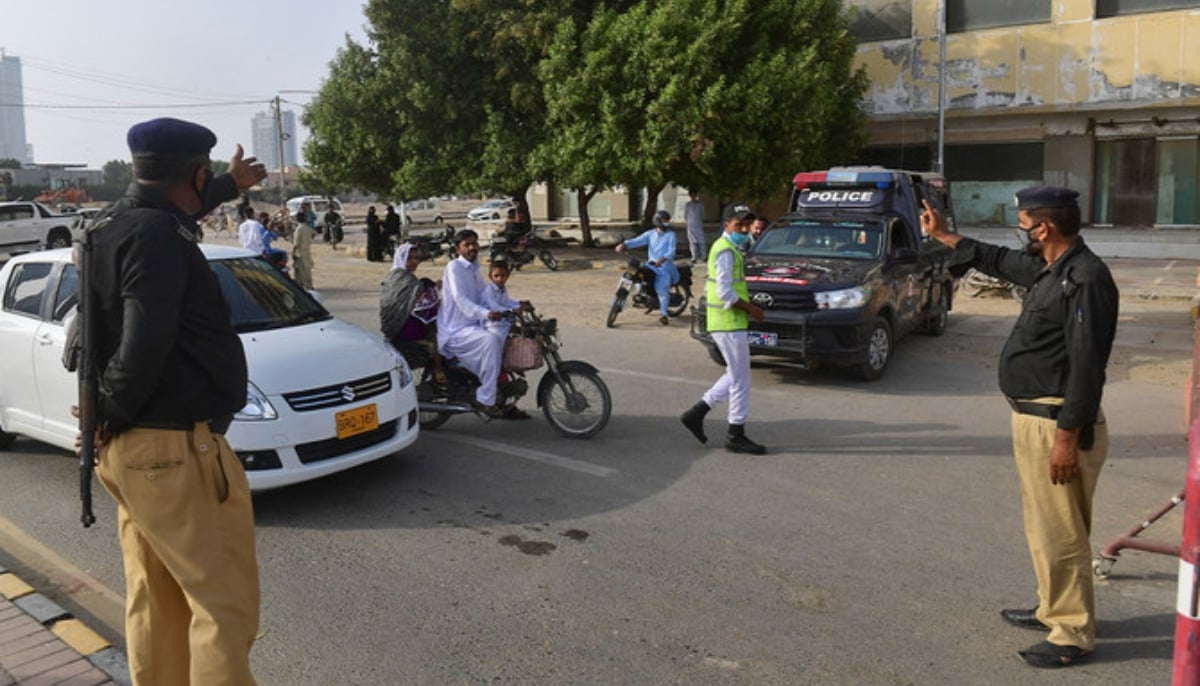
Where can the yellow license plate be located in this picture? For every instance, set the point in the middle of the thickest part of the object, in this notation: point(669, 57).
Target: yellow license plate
point(357, 421)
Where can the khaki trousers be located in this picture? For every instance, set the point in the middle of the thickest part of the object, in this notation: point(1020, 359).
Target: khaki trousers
point(1058, 523)
point(187, 536)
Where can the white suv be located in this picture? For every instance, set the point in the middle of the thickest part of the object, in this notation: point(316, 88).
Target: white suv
point(302, 419)
point(27, 225)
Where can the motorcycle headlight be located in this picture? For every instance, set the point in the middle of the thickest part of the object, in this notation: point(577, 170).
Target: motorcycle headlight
point(402, 369)
point(257, 408)
point(841, 300)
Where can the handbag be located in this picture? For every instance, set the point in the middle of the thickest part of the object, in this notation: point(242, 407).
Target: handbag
point(522, 354)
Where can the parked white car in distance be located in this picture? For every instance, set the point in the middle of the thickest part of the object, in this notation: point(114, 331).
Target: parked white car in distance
point(491, 211)
point(324, 395)
point(422, 211)
point(29, 225)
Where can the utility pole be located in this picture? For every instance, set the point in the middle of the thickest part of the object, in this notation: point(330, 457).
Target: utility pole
point(941, 133)
point(282, 162)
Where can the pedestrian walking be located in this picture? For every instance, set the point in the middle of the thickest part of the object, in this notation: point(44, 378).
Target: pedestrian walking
point(391, 226)
point(1052, 372)
point(304, 233)
point(172, 373)
point(693, 216)
point(728, 311)
point(374, 236)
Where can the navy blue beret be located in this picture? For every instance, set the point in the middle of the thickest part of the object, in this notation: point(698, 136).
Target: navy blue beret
point(167, 136)
point(1037, 197)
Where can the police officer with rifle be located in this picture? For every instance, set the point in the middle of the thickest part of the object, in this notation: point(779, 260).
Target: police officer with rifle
point(161, 375)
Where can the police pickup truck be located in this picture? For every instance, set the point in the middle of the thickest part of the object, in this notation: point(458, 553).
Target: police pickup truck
point(846, 273)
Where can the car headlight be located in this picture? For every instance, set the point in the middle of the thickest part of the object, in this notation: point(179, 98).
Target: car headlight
point(257, 408)
point(402, 368)
point(841, 300)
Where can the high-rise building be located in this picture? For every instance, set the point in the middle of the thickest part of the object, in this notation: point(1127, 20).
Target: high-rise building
point(12, 110)
point(265, 139)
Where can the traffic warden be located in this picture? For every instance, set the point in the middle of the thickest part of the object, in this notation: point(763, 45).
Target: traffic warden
point(660, 244)
point(728, 311)
point(171, 375)
point(1052, 372)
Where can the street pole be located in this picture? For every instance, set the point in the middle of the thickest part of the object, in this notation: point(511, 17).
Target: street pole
point(282, 162)
point(941, 133)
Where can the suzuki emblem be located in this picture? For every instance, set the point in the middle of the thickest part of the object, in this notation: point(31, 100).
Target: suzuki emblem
point(347, 394)
point(763, 300)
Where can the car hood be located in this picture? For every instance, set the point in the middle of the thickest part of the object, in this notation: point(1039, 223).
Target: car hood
point(813, 274)
point(313, 355)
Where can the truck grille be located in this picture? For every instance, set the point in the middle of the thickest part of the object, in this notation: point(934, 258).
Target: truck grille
point(339, 394)
point(795, 301)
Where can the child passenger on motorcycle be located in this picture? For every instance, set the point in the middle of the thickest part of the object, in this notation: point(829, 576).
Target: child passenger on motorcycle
point(496, 297)
point(661, 244)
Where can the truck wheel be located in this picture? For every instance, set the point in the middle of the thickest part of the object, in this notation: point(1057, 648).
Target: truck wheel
point(6, 439)
point(936, 326)
point(715, 353)
point(879, 351)
point(58, 238)
point(1018, 293)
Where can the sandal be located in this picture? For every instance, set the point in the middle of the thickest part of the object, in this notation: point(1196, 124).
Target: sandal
point(488, 412)
point(439, 378)
point(1049, 655)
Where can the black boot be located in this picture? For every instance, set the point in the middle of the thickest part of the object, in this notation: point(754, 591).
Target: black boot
point(736, 441)
point(693, 419)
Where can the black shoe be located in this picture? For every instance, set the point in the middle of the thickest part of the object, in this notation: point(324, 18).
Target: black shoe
point(1026, 619)
point(736, 442)
point(693, 419)
point(664, 320)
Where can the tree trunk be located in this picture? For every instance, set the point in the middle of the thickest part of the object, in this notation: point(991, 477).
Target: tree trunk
point(651, 204)
point(585, 221)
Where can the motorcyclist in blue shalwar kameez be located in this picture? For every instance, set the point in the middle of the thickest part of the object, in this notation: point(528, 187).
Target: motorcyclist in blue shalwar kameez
point(661, 243)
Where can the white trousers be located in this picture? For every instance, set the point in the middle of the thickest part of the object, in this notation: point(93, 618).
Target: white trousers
point(734, 384)
point(481, 352)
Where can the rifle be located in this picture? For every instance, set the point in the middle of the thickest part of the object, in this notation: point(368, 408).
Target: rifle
point(88, 384)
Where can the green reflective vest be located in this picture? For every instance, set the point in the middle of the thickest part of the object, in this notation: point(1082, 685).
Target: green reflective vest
point(719, 318)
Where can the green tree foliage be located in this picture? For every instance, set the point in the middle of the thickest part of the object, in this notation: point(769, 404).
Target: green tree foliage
point(118, 172)
point(10, 163)
point(727, 96)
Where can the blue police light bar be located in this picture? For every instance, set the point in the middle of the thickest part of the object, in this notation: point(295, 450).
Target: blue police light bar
point(859, 178)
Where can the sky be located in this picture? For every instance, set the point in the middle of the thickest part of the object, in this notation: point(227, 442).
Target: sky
point(93, 69)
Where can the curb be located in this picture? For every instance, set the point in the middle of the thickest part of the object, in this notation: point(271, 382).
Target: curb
point(90, 645)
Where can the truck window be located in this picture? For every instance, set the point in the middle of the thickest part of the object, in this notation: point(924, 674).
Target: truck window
point(901, 235)
point(26, 287)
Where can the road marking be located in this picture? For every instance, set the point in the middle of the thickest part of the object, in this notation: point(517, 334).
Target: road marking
point(535, 455)
point(705, 384)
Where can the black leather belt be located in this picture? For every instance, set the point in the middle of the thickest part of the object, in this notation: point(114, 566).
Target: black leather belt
point(1036, 409)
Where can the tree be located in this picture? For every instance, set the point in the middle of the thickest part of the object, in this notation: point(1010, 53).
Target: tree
point(118, 172)
point(729, 96)
point(9, 163)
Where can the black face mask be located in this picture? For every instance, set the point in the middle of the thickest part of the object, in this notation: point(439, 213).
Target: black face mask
point(202, 193)
point(1029, 244)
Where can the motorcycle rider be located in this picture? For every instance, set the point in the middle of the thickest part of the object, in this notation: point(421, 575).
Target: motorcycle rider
point(461, 327)
point(660, 242)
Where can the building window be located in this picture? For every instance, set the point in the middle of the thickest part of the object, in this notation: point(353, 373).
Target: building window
point(1178, 199)
point(1114, 8)
point(1126, 188)
point(994, 162)
point(873, 20)
point(967, 15)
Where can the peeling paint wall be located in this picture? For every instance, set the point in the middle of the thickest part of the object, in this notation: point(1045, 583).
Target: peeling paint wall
point(1073, 62)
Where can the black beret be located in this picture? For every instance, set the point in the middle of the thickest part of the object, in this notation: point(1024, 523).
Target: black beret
point(1038, 197)
point(170, 137)
point(737, 210)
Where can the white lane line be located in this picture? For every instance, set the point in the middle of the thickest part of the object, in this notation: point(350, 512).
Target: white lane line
point(535, 455)
point(698, 383)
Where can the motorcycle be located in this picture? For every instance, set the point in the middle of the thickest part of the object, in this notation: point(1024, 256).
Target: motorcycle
point(522, 252)
point(637, 285)
point(571, 393)
point(974, 283)
point(431, 245)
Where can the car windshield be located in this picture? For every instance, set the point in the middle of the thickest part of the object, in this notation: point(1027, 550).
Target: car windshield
point(821, 239)
point(260, 297)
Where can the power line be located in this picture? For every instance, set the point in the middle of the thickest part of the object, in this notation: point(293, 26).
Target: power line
point(184, 105)
point(108, 78)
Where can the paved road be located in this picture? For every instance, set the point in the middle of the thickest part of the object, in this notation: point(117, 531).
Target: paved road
point(875, 545)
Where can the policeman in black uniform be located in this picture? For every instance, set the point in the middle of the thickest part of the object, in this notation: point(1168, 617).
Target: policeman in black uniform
point(171, 375)
point(1052, 372)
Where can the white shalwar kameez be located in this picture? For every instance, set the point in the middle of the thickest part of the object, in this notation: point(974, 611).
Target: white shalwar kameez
point(461, 328)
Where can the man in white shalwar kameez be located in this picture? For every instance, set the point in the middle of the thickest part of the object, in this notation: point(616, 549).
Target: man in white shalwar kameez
point(461, 328)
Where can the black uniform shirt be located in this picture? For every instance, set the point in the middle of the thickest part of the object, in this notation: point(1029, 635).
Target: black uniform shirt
point(1060, 344)
point(166, 348)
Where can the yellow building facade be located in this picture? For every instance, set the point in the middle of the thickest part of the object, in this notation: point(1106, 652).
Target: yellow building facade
point(1099, 95)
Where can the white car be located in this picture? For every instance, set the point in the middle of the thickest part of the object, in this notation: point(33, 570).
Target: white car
point(490, 211)
point(423, 211)
point(324, 395)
